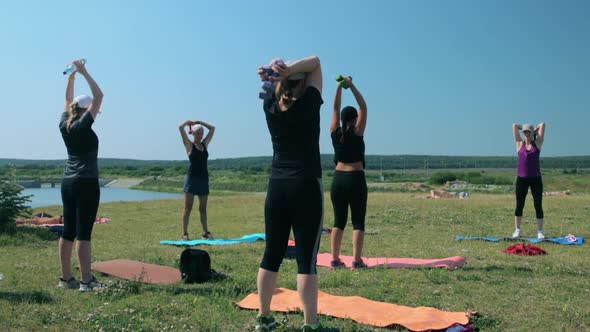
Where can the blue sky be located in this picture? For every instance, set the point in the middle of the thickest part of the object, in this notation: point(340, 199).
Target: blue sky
point(439, 77)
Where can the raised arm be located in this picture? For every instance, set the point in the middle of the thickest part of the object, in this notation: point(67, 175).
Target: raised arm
point(336, 111)
point(188, 146)
point(210, 132)
point(361, 120)
point(310, 65)
point(69, 92)
point(540, 132)
point(516, 132)
point(96, 91)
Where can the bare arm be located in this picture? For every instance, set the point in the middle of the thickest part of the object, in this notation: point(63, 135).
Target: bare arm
point(188, 146)
point(69, 92)
point(310, 65)
point(516, 132)
point(96, 91)
point(361, 120)
point(336, 111)
point(540, 131)
point(210, 132)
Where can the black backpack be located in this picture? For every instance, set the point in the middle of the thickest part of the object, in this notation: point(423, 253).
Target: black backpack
point(195, 266)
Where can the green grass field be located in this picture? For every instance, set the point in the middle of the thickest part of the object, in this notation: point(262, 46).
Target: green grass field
point(511, 293)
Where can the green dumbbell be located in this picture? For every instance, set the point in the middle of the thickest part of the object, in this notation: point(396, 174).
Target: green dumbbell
point(340, 78)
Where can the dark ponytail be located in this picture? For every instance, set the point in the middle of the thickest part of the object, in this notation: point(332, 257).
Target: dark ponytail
point(286, 92)
point(347, 115)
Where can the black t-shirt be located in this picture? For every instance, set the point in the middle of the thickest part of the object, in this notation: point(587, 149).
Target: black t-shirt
point(82, 145)
point(295, 135)
point(349, 151)
point(198, 159)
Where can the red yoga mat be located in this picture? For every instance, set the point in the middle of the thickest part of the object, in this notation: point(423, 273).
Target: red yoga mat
point(364, 311)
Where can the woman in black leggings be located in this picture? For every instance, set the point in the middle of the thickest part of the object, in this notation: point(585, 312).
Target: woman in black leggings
point(529, 173)
point(80, 192)
point(349, 186)
point(295, 198)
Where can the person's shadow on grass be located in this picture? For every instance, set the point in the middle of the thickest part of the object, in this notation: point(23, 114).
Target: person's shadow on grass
point(26, 297)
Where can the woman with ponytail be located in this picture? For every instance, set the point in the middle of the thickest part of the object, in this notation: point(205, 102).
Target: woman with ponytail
point(349, 186)
point(80, 191)
point(295, 197)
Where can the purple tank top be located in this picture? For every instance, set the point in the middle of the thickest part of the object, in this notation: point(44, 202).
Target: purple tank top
point(528, 161)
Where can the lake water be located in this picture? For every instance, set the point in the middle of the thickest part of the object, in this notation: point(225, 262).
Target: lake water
point(52, 196)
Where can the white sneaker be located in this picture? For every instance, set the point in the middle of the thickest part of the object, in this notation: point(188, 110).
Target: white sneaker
point(88, 286)
point(516, 233)
point(540, 235)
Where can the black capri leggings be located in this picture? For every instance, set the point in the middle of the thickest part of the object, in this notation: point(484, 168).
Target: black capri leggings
point(80, 197)
point(349, 188)
point(522, 188)
point(297, 204)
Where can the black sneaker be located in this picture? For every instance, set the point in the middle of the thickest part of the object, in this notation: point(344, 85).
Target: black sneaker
point(265, 323)
point(359, 264)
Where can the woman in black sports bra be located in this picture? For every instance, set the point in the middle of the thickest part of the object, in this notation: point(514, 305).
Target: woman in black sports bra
point(349, 186)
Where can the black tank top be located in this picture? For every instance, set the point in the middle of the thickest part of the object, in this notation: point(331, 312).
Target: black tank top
point(198, 159)
point(349, 151)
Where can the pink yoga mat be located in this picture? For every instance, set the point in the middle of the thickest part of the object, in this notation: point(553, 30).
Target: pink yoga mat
point(449, 262)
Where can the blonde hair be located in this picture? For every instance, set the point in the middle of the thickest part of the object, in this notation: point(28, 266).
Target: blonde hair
point(74, 113)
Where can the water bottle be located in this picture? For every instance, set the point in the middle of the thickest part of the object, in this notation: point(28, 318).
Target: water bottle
point(72, 67)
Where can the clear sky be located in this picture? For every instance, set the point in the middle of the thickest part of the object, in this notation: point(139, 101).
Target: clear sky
point(439, 77)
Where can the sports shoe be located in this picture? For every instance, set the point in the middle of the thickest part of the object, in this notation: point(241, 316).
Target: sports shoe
point(88, 286)
point(540, 235)
point(265, 323)
point(337, 264)
point(359, 264)
point(185, 237)
point(207, 235)
point(318, 327)
point(71, 283)
point(516, 233)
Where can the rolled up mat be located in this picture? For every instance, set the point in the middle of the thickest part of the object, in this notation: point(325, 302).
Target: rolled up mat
point(449, 262)
point(138, 271)
point(244, 239)
point(363, 310)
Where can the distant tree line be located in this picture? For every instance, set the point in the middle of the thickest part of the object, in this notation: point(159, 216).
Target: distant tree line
point(251, 165)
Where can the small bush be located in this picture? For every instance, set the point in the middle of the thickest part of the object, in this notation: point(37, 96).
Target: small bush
point(442, 177)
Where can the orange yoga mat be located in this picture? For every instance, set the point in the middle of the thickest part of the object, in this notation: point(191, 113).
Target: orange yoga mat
point(134, 270)
point(364, 311)
point(449, 262)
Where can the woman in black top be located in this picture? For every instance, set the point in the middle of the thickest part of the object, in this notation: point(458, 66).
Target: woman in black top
point(196, 182)
point(80, 191)
point(295, 198)
point(349, 187)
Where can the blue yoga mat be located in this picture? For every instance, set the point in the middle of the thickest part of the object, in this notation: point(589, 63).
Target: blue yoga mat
point(577, 240)
point(244, 239)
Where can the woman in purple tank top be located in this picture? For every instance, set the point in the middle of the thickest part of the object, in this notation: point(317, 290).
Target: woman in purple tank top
point(529, 173)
